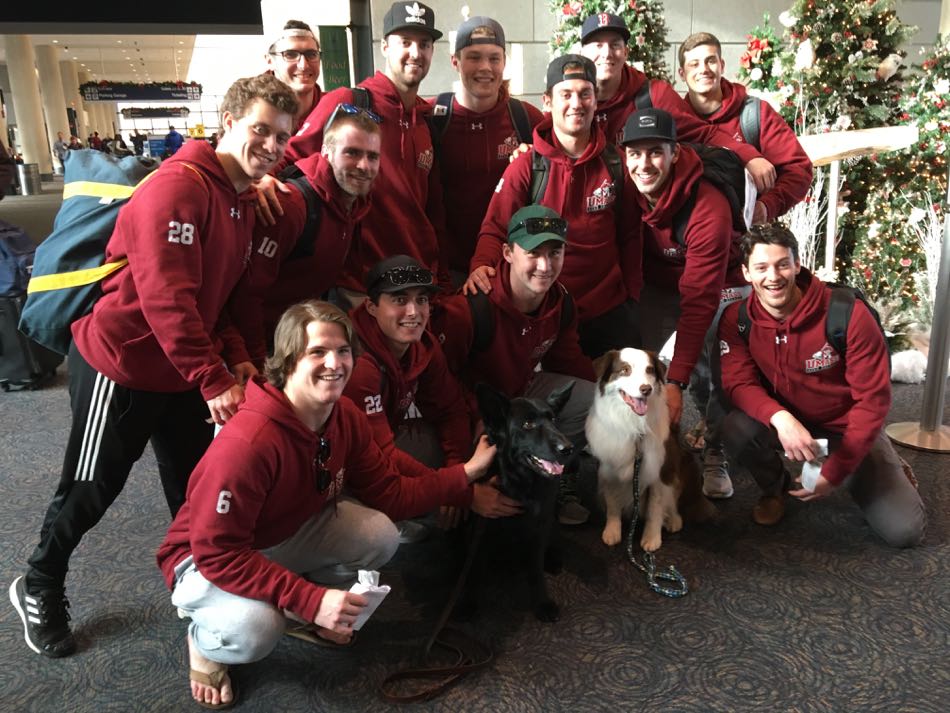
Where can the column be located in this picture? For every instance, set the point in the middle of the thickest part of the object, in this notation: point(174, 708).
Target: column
point(26, 102)
point(92, 112)
point(70, 74)
point(54, 101)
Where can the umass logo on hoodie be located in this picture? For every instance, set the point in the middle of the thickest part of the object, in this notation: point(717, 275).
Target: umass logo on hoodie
point(602, 196)
point(823, 359)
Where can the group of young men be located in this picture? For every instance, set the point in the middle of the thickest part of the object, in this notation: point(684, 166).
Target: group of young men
point(603, 233)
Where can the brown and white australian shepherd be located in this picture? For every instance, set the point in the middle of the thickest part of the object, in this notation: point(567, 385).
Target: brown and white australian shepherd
point(628, 419)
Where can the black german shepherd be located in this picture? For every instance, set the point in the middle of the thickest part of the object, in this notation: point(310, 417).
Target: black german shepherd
point(532, 453)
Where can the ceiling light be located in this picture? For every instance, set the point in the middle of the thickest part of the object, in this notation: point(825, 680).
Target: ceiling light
point(55, 42)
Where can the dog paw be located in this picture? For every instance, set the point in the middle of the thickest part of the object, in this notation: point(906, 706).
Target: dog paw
point(547, 611)
point(673, 523)
point(611, 534)
point(651, 543)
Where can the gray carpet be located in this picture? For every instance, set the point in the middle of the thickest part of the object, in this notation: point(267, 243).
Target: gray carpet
point(815, 614)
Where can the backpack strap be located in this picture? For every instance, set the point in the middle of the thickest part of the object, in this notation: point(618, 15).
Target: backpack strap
point(682, 216)
point(742, 320)
point(483, 323)
point(614, 162)
point(520, 120)
point(749, 117)
point(838, 318)
point(440, 117)
point(540, 170)
point(567, 308)
point(361, 98)
point(642, 99)
point(308, 236)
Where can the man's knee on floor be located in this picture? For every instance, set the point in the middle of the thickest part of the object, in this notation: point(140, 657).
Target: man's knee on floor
point(903, 533)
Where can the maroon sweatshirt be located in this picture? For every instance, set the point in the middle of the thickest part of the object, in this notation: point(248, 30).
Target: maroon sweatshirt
point(778, 144)
point(187, 235)
point(407, 216)
point(255, 487)
point(385, 388)
point(612, 114)
point(789, 365)
point(698, 270)
point(274, 282)
point(474, 153)
point(519, 342)
point(602, 264)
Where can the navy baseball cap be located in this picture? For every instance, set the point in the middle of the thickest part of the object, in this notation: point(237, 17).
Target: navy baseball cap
point(648, 124)
point(604, 21)
point(479, 30)
point(410, 16)
point(571, 66)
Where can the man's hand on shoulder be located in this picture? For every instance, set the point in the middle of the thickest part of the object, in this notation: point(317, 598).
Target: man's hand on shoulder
point(268, 204)
point(479, 280)
point(795, 438)
point(522, 148)
point(225, 405)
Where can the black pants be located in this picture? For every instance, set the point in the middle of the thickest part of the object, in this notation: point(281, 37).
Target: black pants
point(614, 329)
point(111, 425)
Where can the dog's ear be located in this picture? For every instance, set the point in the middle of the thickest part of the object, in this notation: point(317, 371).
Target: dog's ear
point(560, 396)
point(659, 367)
point(603, 363)
point(493, 406)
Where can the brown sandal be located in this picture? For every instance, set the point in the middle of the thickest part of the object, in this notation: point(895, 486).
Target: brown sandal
point(214, 679)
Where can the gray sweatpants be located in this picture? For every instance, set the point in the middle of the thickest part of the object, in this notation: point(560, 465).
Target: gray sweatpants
point(328, 549)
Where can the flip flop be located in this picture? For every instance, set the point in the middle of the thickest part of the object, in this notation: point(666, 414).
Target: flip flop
point(214, 679)
point(308, 633)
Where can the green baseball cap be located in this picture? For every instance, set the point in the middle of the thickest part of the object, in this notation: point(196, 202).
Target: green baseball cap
point(535, 224)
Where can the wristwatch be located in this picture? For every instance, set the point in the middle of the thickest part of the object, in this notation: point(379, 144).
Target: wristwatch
point(680, 384)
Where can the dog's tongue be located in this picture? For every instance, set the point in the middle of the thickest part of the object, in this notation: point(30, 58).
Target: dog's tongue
point(552, 467)
point(639, 406)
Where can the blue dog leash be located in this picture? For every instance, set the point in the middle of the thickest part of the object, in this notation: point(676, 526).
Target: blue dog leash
point(679, 587)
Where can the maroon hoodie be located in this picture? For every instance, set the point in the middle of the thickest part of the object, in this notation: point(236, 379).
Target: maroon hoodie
point(274, 282)
point(519, 341)
point(708, 261)
point(612, 114)
point(385, 388)
point(778, 144)
point(789, 365)
point(473, 154)
point(256, 486)
point(602, 264)
point(187, 235)
point(407, 216)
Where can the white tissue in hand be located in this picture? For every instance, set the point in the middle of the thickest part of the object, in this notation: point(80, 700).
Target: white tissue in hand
point(812, 469)
point(368, 585)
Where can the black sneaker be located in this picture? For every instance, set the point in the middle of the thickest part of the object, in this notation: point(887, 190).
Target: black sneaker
point(45, 620)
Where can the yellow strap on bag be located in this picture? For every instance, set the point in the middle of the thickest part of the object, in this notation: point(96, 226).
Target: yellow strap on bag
point(61, 280)
point(93, 189)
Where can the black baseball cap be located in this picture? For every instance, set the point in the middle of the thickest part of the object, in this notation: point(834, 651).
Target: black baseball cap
point(410, 16)
point(560, 70)
point(648, 124)
point(479, 30)
point(395, 274)
point(604, 21)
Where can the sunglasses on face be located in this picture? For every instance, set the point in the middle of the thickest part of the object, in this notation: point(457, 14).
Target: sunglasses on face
point(320, 471)
point(535, 226)
point(294, 55)
point(351, 109)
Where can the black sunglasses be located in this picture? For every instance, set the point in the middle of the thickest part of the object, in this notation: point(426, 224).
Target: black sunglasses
point(406, 275)
point(320, 471)
point(294, 55)
point(536, 226)
point(351, 109)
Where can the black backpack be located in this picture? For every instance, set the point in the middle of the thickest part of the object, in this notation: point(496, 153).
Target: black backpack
point(725, 170)
point(541, 169)
point(749, 114)
point(442, 115)
point(305, 243)
point(483, 317)
point(836, 321)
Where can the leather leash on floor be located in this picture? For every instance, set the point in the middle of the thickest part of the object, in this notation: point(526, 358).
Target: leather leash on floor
point(470, 653)
point(671, 574)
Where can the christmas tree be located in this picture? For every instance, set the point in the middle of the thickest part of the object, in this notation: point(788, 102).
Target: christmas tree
point(644, 19)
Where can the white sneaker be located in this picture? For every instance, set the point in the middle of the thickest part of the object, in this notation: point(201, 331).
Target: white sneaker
point(716, 481)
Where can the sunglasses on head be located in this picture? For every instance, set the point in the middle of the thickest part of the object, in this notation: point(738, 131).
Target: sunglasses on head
point(535, 226)
point(351, 109)
point(321, 474)
point(294, 55)
point(406, 275)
